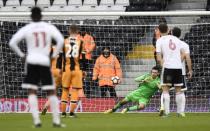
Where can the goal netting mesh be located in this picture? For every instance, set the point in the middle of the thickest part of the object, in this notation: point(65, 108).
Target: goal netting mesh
point(130, 37)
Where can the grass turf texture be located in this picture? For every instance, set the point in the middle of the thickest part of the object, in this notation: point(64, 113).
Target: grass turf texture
point(110, 122)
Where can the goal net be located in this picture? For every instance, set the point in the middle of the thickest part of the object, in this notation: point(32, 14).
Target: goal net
point(130, 37)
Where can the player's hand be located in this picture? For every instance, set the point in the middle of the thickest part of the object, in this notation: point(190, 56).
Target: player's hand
point(141, 81)
point(189, 74)
point(147, 79)
point(159, 86)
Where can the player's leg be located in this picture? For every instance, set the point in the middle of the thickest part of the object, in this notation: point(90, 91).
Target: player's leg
point(33, 104)
point(77, 83)
point(117, 106)
point(57, 81)
point(184, 88)
point(180, 96)
point(31, 82)
point(48, 85)
point(45, 107)
point(66, 83)
point(180, 99)
point(112, 92)
point(74, 101)
point(64, 100)
point(103, 91)
point(162, 111)
point(166, 82)
point(133, 96)
point(166, 99)
point(140, 106)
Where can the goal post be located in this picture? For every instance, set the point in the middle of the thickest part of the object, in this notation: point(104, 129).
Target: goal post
point(129, 34)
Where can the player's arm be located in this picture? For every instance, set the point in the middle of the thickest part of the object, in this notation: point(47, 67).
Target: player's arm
point(57, 36)
point(159, 85)
point(15, 40)
point(141, 78)
point(83, 61)
point(189, 65)
point(188, 60)
point(93, 45)
point(59, 60)
point(159, 54)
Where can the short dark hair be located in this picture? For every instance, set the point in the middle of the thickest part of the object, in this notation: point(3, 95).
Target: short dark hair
point(156, 68)
point(176, 32)
point(163, 28)
point(36, 14)
point(73, 29)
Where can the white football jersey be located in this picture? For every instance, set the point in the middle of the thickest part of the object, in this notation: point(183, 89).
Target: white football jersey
point(186, 51)
point(38, 36)
point(170, 47)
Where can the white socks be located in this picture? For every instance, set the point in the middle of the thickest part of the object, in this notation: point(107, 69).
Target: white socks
point(54, 106)
point(161, 102)
point(33, 103)
point(166, 102)
point(180, 102)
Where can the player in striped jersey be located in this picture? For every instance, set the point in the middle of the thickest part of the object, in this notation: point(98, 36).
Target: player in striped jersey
point(73, 70)
point(56, 73)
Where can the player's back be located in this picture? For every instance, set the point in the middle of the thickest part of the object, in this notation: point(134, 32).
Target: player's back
point(171, 48)
point(38, 36)
point(72, 50)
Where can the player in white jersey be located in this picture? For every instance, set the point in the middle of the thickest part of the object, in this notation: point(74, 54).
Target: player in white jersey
point(38, 36)
point(170, 52)
point(180, 109)
point(177, 32)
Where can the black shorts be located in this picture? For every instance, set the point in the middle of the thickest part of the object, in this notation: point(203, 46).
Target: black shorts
point(171, 77)
point(38, 75)
point(184, 87)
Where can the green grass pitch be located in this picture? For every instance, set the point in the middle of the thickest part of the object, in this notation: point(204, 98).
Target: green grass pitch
point(110, 122)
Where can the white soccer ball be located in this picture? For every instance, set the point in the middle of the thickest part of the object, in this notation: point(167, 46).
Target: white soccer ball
point(115, 79)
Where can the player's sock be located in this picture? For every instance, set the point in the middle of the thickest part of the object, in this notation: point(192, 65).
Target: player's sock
point(166, 99)
point(63, 106)
point(132, 108)
point(183, 103)
point(33, 103)
point(180, 101)
point(73, 106)
point(161, 102)
point(64, 99)
point(54, 106)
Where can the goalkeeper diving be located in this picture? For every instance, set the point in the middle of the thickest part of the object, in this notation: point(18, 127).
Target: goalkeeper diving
point(148, 84)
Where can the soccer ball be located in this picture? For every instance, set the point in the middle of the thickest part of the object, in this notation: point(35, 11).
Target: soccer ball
point(115, 79)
